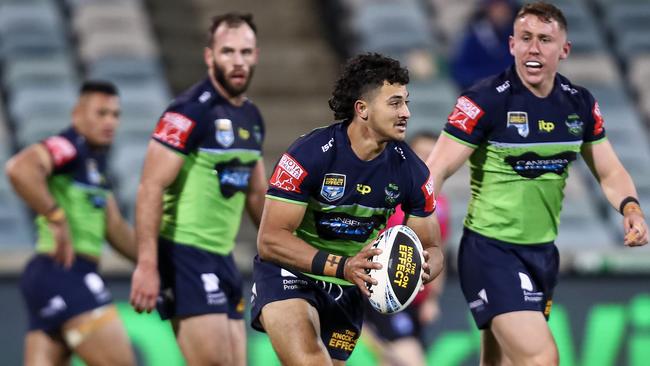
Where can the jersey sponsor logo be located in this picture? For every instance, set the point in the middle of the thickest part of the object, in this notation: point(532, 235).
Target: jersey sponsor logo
point(503, 87)
point(531, 165)
point(174, 129)
point(204, 96)
point(54, 306)
point(400, 152)
point(392, 194)
point(574, 124)
point(569, 89)
point(363, 189)
point(213, 294)
point(223, 132)
point(545, 126)
point(598, 118)
point(547, 308)
point(92, 173)
point(519, 120)
point(96, 285)
point(429, 197)
point(344, 340)
point(243, 133)
point(288, 174)
point(257, 134)
point(233, 176)
point(480, 302)
point(465, 115)
point(61, 150)
point(333, 187)
point(339, 225)
point(328, 145)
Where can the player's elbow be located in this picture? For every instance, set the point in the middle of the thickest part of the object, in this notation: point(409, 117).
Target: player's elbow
point(264, 245)
point(12, 170)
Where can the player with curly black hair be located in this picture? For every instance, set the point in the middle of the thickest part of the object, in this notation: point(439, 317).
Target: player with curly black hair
point(330, 195)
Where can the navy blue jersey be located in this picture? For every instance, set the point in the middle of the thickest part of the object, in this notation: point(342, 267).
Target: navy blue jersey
point(349, 200)
point(80, 187)
point(523, 148)
point(220, 143)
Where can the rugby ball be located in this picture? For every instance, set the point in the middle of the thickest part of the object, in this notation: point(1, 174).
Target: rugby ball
point(400, 278)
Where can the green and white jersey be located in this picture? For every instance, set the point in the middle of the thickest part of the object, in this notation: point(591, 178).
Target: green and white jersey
point(523, 148)
point(79, 186)
point(220, 144)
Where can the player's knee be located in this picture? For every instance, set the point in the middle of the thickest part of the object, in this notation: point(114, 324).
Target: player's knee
point(548, 357)
point(316, 358)
point(217, 357)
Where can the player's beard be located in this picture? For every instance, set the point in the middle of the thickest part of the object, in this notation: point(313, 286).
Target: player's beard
point(220, 75)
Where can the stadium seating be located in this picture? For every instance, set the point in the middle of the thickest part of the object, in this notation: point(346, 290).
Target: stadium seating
point(46, 48)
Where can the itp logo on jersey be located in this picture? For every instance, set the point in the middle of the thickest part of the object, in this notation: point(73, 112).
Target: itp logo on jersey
point(288, 174)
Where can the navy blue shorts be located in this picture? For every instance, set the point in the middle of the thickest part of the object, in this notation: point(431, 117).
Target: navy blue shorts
point(54, 295)
point(393, 327)
point(340, 308)
point(498, 277)
point(197, 282)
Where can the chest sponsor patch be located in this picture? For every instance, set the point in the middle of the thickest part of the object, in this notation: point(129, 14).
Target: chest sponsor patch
point(333, 187)
point(531, 165)
point(519, 120)
point(341, 226)
point(288, 174)
point(61, 150)
point(465, 115)
point(174, 129)
point(598, 118)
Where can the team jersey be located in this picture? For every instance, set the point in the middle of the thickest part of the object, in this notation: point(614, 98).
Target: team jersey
point(79, 186)
point(523, 148)
point(220, 144)
point(348, 200)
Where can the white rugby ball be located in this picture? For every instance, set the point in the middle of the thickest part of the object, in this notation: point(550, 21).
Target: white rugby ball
point(400, 277)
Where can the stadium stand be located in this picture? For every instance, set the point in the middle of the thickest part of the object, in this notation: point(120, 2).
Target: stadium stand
point(48, 46)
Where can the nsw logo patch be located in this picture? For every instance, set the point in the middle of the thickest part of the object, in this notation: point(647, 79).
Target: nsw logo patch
point(224, 133)
point(333, 187)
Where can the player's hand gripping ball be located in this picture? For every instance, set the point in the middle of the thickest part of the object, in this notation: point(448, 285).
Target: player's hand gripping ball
point(400, 277)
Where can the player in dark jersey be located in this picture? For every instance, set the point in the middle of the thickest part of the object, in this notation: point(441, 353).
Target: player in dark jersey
point(520, 131)
point(63, 179)
point(329, 197)
point(203, 168)
point(398, 339)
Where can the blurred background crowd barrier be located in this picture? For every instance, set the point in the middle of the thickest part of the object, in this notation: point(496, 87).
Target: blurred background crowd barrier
point(152, 49)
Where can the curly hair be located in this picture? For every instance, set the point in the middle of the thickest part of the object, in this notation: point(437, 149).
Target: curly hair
point(362, 74)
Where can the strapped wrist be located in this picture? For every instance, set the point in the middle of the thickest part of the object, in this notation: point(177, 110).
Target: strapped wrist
point(328, 264)
point(55, 215)
point(629, 204)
